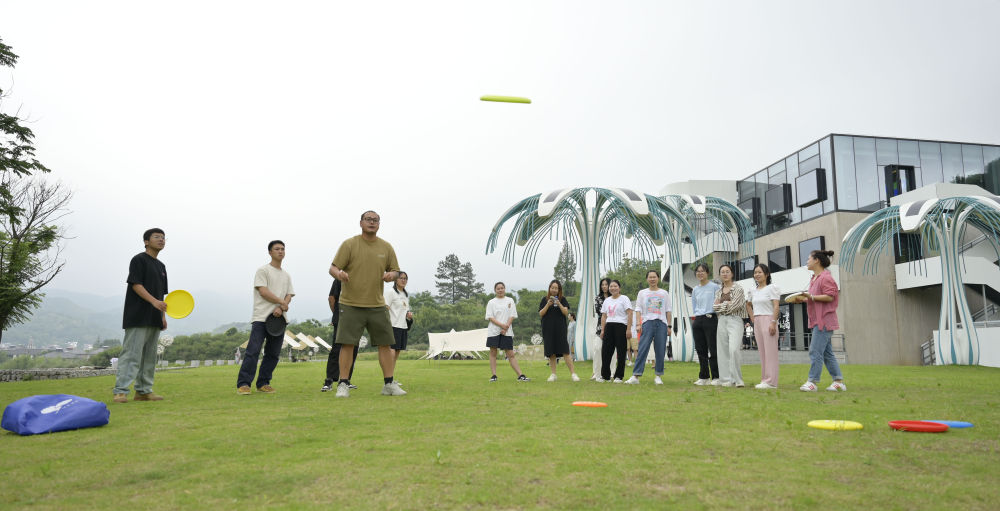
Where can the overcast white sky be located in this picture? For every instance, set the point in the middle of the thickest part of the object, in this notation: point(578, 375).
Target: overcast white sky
point(229, 124)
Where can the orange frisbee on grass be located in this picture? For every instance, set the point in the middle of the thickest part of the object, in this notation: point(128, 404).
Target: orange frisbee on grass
point(590, 404)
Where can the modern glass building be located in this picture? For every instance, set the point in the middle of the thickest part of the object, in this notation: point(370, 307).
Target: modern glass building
point(856, 173)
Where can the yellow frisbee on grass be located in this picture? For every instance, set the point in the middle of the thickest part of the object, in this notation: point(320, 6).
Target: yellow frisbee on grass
point(180, 303)
point(505, 99)
point(833, 425)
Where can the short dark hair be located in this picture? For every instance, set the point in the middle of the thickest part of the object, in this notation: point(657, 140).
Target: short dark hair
point(657, 272)
point(727, 265)
point(499, 284)
point(273, 243)
point(703, 266)
point(150, 232)
point(370, 211)
point(823, 256)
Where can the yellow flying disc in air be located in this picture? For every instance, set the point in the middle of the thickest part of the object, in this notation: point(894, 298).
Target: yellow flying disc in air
point(180, 303)
point(506, 99)
point(833, 425)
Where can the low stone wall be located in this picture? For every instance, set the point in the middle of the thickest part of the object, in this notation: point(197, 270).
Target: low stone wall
point(50, 374)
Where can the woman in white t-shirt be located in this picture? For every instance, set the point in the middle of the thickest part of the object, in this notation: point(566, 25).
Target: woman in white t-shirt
point(616, 326)
point(500, 312)
point(654, 305)
point(763, 307)
point(397, 300)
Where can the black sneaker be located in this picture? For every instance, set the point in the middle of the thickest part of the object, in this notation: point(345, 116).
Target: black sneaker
point(523, 378)
point(352, 386)
point(327, 387)
point(493, 378)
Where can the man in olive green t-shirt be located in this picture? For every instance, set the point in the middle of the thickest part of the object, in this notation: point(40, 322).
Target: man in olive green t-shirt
point(362, 264)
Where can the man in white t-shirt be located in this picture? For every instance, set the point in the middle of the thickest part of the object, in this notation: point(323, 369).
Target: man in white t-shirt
point(272, 292)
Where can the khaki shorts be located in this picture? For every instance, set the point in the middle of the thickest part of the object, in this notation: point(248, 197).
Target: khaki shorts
point(354, 321)
point(633, 344)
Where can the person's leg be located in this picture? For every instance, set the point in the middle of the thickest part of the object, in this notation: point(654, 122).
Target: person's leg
point(830, 359)
point(659, 346)
point(645, 341)
point(723, 340)
point(700, 347)
point(128, 360)
point(147, 361)
point(597, 353)
point(607, 348)
point(735, 364)
point(333, 365)
point(493, 361)
point(272, 352)
point(385, 360)
point(712, 338)
point(816, 347)
point(248, 369)
point(512, 358)
point(621, 346)
point(552, 364)
point(352, 324)
point(354, 361)
point(568, 357)
point(760, 326)
point(346, 361)
point(771, 360)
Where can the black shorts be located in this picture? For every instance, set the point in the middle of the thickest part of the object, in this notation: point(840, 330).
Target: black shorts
point(401, 335)
point(503, 342)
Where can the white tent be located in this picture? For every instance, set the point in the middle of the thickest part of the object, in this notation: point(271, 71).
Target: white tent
point(319, 340)
point(468, 343)
point(306, 340)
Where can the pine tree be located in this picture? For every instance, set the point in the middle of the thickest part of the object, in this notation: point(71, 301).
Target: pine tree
point(565, 269)
point(455, 281)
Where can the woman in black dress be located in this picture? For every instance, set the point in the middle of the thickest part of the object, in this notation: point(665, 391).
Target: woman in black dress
point(553, 309)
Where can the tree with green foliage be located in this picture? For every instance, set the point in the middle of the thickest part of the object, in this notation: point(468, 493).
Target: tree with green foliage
point(455, 281)
point(565, 270)
point(29, 209)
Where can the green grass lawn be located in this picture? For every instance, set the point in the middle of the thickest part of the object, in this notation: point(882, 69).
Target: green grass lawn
point(458, 441)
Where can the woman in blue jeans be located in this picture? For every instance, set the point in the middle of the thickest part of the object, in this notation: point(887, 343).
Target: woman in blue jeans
point(653, 304)
point(821, 305)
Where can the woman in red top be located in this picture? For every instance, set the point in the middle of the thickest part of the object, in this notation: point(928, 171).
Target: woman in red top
point(821, 305)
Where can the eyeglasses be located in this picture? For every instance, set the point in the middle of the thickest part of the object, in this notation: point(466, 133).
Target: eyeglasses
point(371, 219)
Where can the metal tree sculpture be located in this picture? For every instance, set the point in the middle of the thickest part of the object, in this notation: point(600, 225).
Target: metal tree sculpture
point(941, 224)
point(596, 232)
point(721, 226)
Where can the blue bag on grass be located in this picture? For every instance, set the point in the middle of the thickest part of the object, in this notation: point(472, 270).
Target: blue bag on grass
point(53, 412)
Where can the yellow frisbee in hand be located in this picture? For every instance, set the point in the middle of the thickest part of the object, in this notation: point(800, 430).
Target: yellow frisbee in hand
point(506, 99)
point(180, 303)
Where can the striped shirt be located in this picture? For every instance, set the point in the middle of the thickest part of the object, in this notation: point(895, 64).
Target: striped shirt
point(734, 302)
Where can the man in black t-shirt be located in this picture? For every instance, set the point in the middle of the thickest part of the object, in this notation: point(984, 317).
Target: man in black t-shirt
point(142, 319)
point(332, 366)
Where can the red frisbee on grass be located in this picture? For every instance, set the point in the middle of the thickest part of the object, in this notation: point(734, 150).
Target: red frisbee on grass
point(919, 426)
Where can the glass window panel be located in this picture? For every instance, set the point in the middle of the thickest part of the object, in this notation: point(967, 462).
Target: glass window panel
point(991, 156)
point(951, 162)
point(885, 148)
point(930, 163)
point(792, 165)
point(972, 161)
point(867, 174)
point(746, 189)
point(809, 152)
point(826, 162)
point(776, 168)
point(847, 192)
point(909, 153)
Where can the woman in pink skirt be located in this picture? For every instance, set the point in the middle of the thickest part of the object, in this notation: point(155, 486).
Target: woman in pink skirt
point(762, 306)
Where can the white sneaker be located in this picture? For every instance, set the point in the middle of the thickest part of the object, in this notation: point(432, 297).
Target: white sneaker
point(764, 386)
point(342, 390)
point(739, 385)
point(715, 383)
point(628, 362)
point(657, 380)
point(600, 380)
point(808, 387)
point(392, 389)
point(574, 377)
point(726, 384)
point(632, 381)
point(837, 386)
point(701, 381)
point(596, 378)
point(552, 377)
point(617, 380)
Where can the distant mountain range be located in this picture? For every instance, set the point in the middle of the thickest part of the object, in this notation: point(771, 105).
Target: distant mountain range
point(67, 316)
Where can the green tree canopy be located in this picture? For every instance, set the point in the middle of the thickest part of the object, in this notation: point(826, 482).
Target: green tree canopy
point(456, 281)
